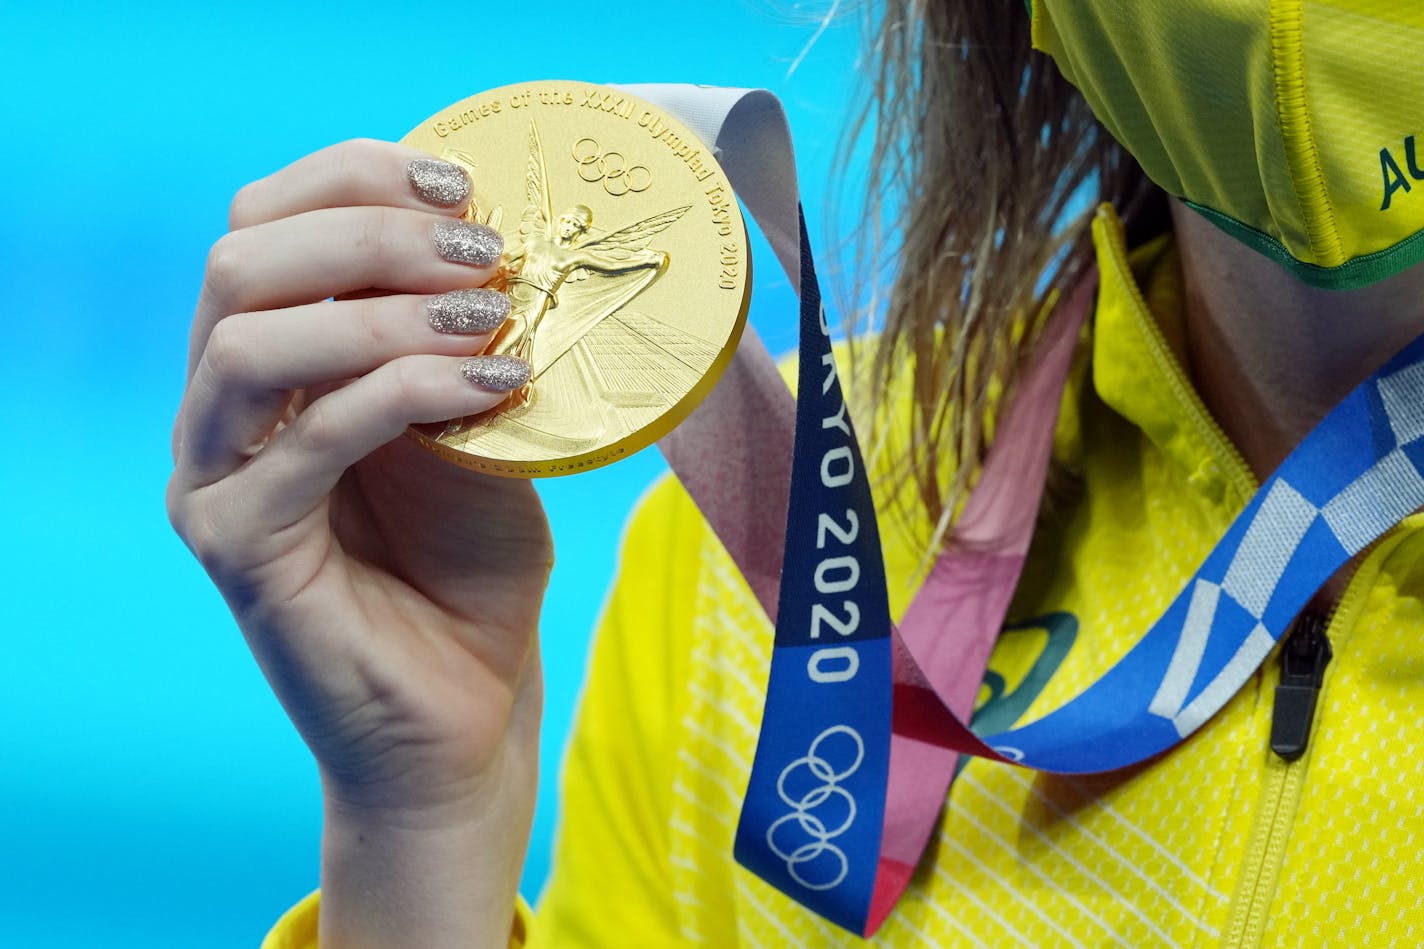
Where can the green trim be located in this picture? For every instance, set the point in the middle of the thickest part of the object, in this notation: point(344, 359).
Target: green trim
point(1001, 712)
point(1351, 275)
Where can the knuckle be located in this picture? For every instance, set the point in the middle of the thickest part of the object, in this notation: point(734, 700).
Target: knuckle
point(197, 525)
point(242, 212)
point(373, 236)
point(176, 502)
point(225, 266)
point(320, 432)
point(407, 381)
point(227, 354)
point(210, 543)
point(350, 159)
point(370, 327)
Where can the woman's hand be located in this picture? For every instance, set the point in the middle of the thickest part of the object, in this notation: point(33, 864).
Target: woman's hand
point(391, 598)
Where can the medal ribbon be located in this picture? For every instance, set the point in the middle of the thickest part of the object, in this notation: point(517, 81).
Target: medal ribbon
point(863, 724)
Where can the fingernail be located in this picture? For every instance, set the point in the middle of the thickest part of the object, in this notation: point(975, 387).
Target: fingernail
point(467, 311)
point(463, 243)
point(496, 373)
point(441, 183)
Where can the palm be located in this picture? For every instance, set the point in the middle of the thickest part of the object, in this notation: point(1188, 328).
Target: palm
point(475, 545)
point(420, 611)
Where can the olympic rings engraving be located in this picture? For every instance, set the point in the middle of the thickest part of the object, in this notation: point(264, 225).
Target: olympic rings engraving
point(611, 168)
point(802, 838)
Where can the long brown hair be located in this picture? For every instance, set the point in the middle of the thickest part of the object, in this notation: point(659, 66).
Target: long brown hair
point(991, 164)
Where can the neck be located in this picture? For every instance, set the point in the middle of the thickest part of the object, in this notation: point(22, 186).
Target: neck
point(1270, 355)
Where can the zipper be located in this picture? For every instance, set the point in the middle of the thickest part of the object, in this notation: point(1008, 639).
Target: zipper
point(1235, 471)
point(1304, 656)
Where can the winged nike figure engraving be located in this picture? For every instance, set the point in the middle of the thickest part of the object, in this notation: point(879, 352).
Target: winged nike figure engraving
point(569, 285)
point(554, 251)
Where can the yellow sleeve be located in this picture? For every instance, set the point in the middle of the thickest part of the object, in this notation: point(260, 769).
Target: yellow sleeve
point(610, 883)
point(297, 927)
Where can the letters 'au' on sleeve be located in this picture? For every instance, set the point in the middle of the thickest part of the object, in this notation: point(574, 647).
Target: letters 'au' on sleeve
point(611, 880)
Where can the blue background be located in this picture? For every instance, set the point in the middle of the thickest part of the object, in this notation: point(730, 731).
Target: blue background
point(151, 791)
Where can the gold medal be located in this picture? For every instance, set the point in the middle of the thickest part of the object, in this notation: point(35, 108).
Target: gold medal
point(625, 260)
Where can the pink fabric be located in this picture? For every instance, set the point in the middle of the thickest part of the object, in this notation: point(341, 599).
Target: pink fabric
point(733, 454)
point(734, 457)
point(954, 620)
point(1000, 514)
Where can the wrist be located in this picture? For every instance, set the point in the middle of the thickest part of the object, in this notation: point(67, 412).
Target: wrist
point(432, 876)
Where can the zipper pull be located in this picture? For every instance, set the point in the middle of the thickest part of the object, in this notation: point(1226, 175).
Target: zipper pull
point(1303, 659)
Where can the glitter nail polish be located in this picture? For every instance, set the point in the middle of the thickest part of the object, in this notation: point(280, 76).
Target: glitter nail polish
point(463, 243)
point(436, 182)
point(496, 373)
point(467, 311)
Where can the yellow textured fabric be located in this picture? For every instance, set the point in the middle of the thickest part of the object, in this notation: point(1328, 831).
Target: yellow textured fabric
point(297, 928)
point(1155, 856)
point(1218, 843)
point(1293, 124)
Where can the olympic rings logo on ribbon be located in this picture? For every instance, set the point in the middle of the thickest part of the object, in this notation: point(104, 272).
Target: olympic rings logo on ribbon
point(611, 168)
point(819, 813)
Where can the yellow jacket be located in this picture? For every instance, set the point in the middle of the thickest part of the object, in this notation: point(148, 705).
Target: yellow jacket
point(1219, 843)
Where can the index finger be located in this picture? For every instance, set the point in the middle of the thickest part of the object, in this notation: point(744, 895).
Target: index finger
point(360, 172)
